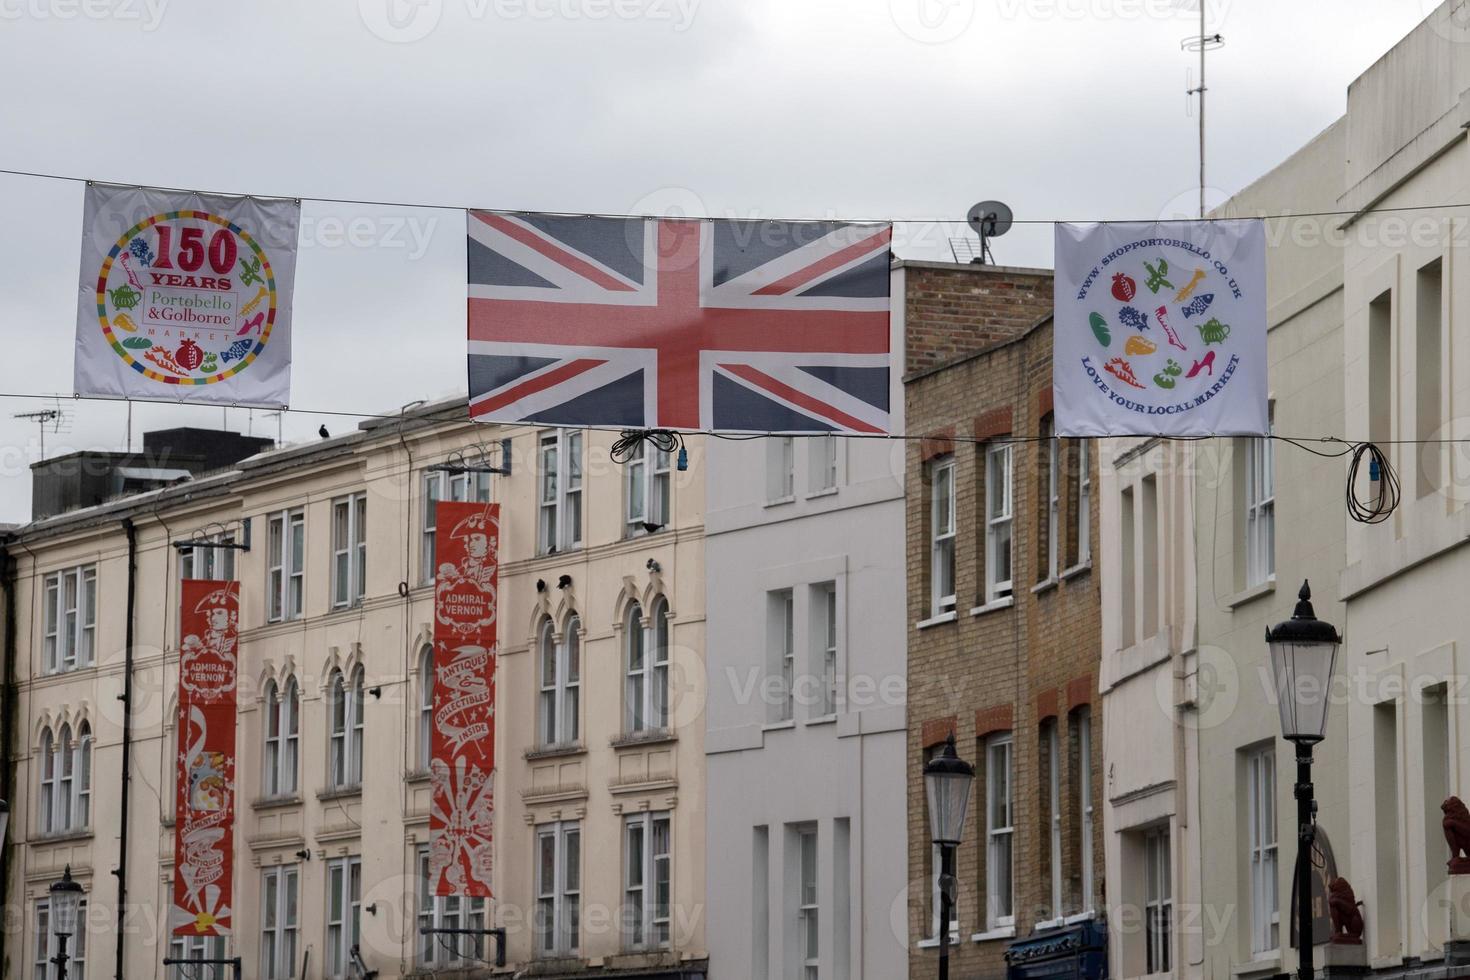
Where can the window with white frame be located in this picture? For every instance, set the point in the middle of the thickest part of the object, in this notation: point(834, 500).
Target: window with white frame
point(282, 735)
point(447, 951)
point(998, 516)
point(426, 707)
point(825, 600)
point(1084, 503)
point(558, 888)
point(349, 550)
point(279, 922)
point(344, 914)
point(782, 632)
point(999, 834)
point(821, 474)
point(1260, 511)
point(647, 487)
point(345, 707)
point(559, 510)
point(646, 880)
point(1082, 726)
point(439, 485)
point(1158, 908)
point(561, 683)
point(646, 688)
point(70, 619)
point(48, 945)
point(780, 468)
point(808, 913)
point(1053, 499)
point(66, 779)
point(286, 564)
point(205, 562)
point(941, 534)
point(1261, 813)
point(1050, 744)
point(198, 948)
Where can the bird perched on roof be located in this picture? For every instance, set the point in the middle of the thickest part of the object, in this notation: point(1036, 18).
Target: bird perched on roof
point(323, 432)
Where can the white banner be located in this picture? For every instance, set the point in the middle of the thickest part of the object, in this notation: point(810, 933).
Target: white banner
point(186, 297)
point(1160, 329)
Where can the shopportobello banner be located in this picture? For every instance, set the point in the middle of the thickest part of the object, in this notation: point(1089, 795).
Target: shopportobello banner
point(461, 820)
point(740, 326)
point(204, 828)
point(1160, 329)
point(186, 297)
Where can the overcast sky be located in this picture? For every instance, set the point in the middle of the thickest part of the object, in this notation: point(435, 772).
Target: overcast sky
point(769, 108)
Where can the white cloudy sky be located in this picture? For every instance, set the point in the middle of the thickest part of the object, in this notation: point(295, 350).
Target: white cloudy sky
point(785, 108)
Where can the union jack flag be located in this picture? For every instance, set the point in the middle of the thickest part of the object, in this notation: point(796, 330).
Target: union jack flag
point(741, 326)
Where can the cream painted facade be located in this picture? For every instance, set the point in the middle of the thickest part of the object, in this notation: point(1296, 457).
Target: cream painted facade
point(588, 788)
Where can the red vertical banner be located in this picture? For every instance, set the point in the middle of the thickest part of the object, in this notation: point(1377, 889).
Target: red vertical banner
point(204, 829)
point(461, 821)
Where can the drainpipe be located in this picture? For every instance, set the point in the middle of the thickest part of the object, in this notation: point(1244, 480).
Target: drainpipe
point(127, 746)
point(7, 716)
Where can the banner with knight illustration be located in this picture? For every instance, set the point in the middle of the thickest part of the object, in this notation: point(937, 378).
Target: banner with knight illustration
point(204, 829)
point(1160, 329)
point(461, 821)
point(186, 297)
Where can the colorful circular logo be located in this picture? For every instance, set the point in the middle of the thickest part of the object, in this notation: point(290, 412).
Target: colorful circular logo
point(187, 298)
point(1160, 315)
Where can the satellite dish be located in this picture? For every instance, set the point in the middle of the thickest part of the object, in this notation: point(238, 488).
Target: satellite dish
point(990, 219)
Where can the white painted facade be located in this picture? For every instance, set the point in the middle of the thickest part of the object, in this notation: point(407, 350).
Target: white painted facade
point(806, 816)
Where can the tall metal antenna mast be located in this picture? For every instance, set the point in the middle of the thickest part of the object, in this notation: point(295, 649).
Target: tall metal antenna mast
point(1203, 43)
point(41, 418)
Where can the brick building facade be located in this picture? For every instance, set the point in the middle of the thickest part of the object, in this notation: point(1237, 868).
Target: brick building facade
point(1004, 615)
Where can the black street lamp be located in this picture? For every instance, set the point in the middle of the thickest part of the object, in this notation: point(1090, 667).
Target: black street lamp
point(947, 781)
point(66, 906)
point(1303, 652)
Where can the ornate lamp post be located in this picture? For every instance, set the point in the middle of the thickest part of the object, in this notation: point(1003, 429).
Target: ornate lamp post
point(66, 906)
point(947, 782)
point(1303, 652)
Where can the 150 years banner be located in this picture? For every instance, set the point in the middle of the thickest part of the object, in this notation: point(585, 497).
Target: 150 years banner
point(204, 830)
point(186, 297)
point(461, 821)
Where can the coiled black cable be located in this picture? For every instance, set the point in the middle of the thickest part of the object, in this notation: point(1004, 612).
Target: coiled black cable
point(664, 440)
point(1383, 495)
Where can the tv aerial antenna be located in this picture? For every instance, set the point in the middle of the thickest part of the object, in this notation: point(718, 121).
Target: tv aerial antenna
point(989, 219)
point(56, 419)
point(1203, 44)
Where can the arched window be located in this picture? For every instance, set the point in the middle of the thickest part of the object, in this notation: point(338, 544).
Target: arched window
point(647, 689)
point(82, 810)
point(560, 670)
point(282, 727)
point(346, 721)
point(66, 779)
point(426, 705)
point(635, 689)
point(47, 761)
point(658, 713)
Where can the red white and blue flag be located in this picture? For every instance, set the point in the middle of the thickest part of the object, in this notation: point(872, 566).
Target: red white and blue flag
point(740, 326)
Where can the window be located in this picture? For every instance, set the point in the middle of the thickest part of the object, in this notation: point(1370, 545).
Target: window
point(821, 464)
point(808, 914)
point(346, 740)
point(941, 535)
point(561, 683)
point(999, 833)
point(198, 948)
point(997, 522)
point(344, 914)
point(349, 550)
point(426, 706)
point(66, 779)
point(558, 888)
point(646, 881)
point(278, 923)
point(559, 522)
point(447, 912)
point(826, 596)
point(286, 563)
point(71, 619)
point(646, 489)
point(1052, 516)
point(1261, 804)
point(1428, 382)
point(646, 694)
point(1082, 727)
point(782, 607)
point(203, 562)
point(48, 946)
point(1084, 503)
point(282, 732)
point(1260, 509)
point(1052, 755)
point(439, 485)
point(780, 468)
point(1158, 900)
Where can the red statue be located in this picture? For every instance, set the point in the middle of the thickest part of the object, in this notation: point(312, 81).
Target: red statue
point(1457, 834)
point(1342, 906)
